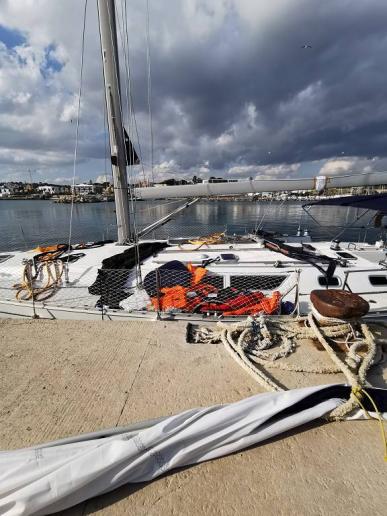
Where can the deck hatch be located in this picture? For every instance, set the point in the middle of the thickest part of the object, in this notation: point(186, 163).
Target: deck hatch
point(347, 256)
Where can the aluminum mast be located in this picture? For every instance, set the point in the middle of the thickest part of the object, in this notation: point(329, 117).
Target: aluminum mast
point(108, 32)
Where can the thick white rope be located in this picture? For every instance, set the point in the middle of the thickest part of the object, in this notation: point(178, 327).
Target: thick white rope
point(251, 350)
point(358, 381)
point(246, 364)
point(350, 376)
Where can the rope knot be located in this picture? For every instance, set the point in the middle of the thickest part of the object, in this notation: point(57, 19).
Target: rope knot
point(357, 391)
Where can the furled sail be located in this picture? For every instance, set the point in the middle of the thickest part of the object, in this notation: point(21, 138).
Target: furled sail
point(58, 475)
point(318, 183)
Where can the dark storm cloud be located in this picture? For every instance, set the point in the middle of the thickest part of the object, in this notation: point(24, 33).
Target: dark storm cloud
point(311, 104)
point(232, 87)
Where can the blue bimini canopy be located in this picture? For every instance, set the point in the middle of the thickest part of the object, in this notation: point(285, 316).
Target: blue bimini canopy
point(377, 202)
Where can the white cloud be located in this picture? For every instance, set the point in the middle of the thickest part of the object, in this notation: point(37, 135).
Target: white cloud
point(20, 97)
point(224, 140)
point(251, 112)
point(104, 178)
point(38, 99)
point(353, 165)
point(66, 180)
point(27, 158)
point(337, 166)
point(262, 14)
point(264, 171)
point(70, 110)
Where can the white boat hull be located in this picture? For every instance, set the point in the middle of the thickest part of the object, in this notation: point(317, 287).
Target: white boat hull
point(74, 301)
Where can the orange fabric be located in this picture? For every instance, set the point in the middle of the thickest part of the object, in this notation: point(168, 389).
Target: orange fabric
point(171, 297)
point(190, 267)
point(41, 249)
point(176, 297)
point(197, 273)
point(268, 305)
point(205, 289)
point(50, 252)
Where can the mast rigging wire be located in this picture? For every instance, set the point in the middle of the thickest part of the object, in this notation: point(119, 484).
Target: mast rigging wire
point(148, 55)
point(77, 127)
point(105, 133)
point(130, 115)
point(130, 109)
point(148, 208)
point(127, 90)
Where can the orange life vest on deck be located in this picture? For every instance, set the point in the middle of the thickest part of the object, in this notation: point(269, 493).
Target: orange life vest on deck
point(268, 305)
point(176, 297)
point(194, 297)
point(197, 273)
point(171, 297)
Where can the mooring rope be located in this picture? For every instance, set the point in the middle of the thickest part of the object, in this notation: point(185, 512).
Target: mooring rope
point(251, 344)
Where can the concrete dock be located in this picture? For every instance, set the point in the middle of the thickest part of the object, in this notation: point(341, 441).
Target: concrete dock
point(61, 378)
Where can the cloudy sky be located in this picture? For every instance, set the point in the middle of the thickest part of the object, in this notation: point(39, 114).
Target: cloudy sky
point(234, 94)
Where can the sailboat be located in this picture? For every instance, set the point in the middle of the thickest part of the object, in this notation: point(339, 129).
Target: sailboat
point(205, 277)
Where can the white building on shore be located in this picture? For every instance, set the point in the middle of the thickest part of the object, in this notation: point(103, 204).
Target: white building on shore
point(88, 189)
point(4, 191)
point(53, 189)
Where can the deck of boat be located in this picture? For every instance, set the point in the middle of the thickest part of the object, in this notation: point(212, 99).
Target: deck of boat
point(62, 378)
point(252, 259)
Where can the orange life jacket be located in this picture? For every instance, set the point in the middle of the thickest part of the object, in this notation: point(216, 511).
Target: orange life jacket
point(268, 305)
point(176, 297)
point(170, 297)
point(197, 273)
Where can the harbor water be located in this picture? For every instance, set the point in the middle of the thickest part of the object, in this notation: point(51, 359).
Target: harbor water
point(26, 224)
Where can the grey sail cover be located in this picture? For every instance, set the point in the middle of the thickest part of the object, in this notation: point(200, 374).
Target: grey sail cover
point(58, 475)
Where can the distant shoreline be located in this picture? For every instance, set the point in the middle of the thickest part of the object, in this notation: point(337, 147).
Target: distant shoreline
point(210, 199)
point(23, 199)
point(52, 199)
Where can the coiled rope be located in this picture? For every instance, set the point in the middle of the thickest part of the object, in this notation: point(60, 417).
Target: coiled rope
point(215, 238)
point(43, 284)
point(251, 343)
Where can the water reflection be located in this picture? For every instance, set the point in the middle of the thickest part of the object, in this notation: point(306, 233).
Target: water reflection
point(25, 224)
